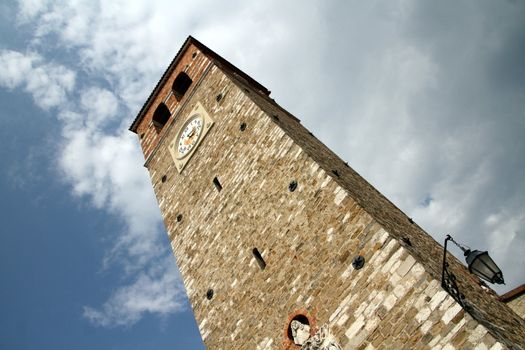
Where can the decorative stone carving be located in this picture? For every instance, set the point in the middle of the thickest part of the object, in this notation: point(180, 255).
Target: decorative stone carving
point(321, 340)
point(300, 332)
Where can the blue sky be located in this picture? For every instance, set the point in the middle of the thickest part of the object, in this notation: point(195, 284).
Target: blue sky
point(425, 99)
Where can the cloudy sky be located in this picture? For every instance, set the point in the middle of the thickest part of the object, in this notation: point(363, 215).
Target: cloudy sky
point(425, 99)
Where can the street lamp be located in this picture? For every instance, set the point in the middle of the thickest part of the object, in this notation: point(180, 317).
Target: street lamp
point(479, 263)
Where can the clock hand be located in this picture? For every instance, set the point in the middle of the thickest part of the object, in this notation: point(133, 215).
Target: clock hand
point(190, 137)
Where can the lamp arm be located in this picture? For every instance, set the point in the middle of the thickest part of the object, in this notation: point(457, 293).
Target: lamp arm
point(464, 249)
point(448, 279)
point(448, 238)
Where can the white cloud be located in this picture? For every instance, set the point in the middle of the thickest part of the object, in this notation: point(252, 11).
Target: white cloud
point(104, 167)
point(47, 83)
point(155, 291)
point(14, 67)
point(100, 106)
point(29, 9)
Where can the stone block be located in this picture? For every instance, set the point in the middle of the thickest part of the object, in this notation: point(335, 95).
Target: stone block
point(403, 269)
point(423, 314)
point(355, 327)
point(451, 313)
point(477, 334)
point(437, 299)
point(389, 302)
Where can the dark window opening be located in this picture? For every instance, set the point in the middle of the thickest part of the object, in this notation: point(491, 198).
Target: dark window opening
point(164, 178)
point(181, 84)
point(209, 294)
point(258, 257)
point(292, 186)
point(358, 262)
point(301, 318)
point(161, 116)
point(217, 184)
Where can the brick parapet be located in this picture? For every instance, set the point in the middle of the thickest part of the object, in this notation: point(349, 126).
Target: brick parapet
point(192, 62)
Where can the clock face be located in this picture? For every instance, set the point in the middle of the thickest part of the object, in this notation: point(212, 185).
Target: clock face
point(185, 143)
point(189, 135)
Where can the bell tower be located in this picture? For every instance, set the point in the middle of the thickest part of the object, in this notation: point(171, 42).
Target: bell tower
point(281, 245)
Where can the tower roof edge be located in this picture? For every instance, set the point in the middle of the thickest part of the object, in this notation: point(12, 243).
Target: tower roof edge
point(219, 60)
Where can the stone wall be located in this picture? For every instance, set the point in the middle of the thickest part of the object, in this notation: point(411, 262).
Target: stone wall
point(515, 299)
point(308, 238)
point(518, 305)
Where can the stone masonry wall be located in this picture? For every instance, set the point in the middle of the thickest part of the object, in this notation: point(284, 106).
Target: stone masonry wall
point(307, 238)
point(482, 303)
point(518, 305)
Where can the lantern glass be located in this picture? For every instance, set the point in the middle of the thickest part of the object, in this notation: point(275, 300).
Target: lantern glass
point(482, 265)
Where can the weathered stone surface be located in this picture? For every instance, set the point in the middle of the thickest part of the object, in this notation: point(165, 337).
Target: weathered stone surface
point(518, 305)
point(515, 299)
point(307, 238)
